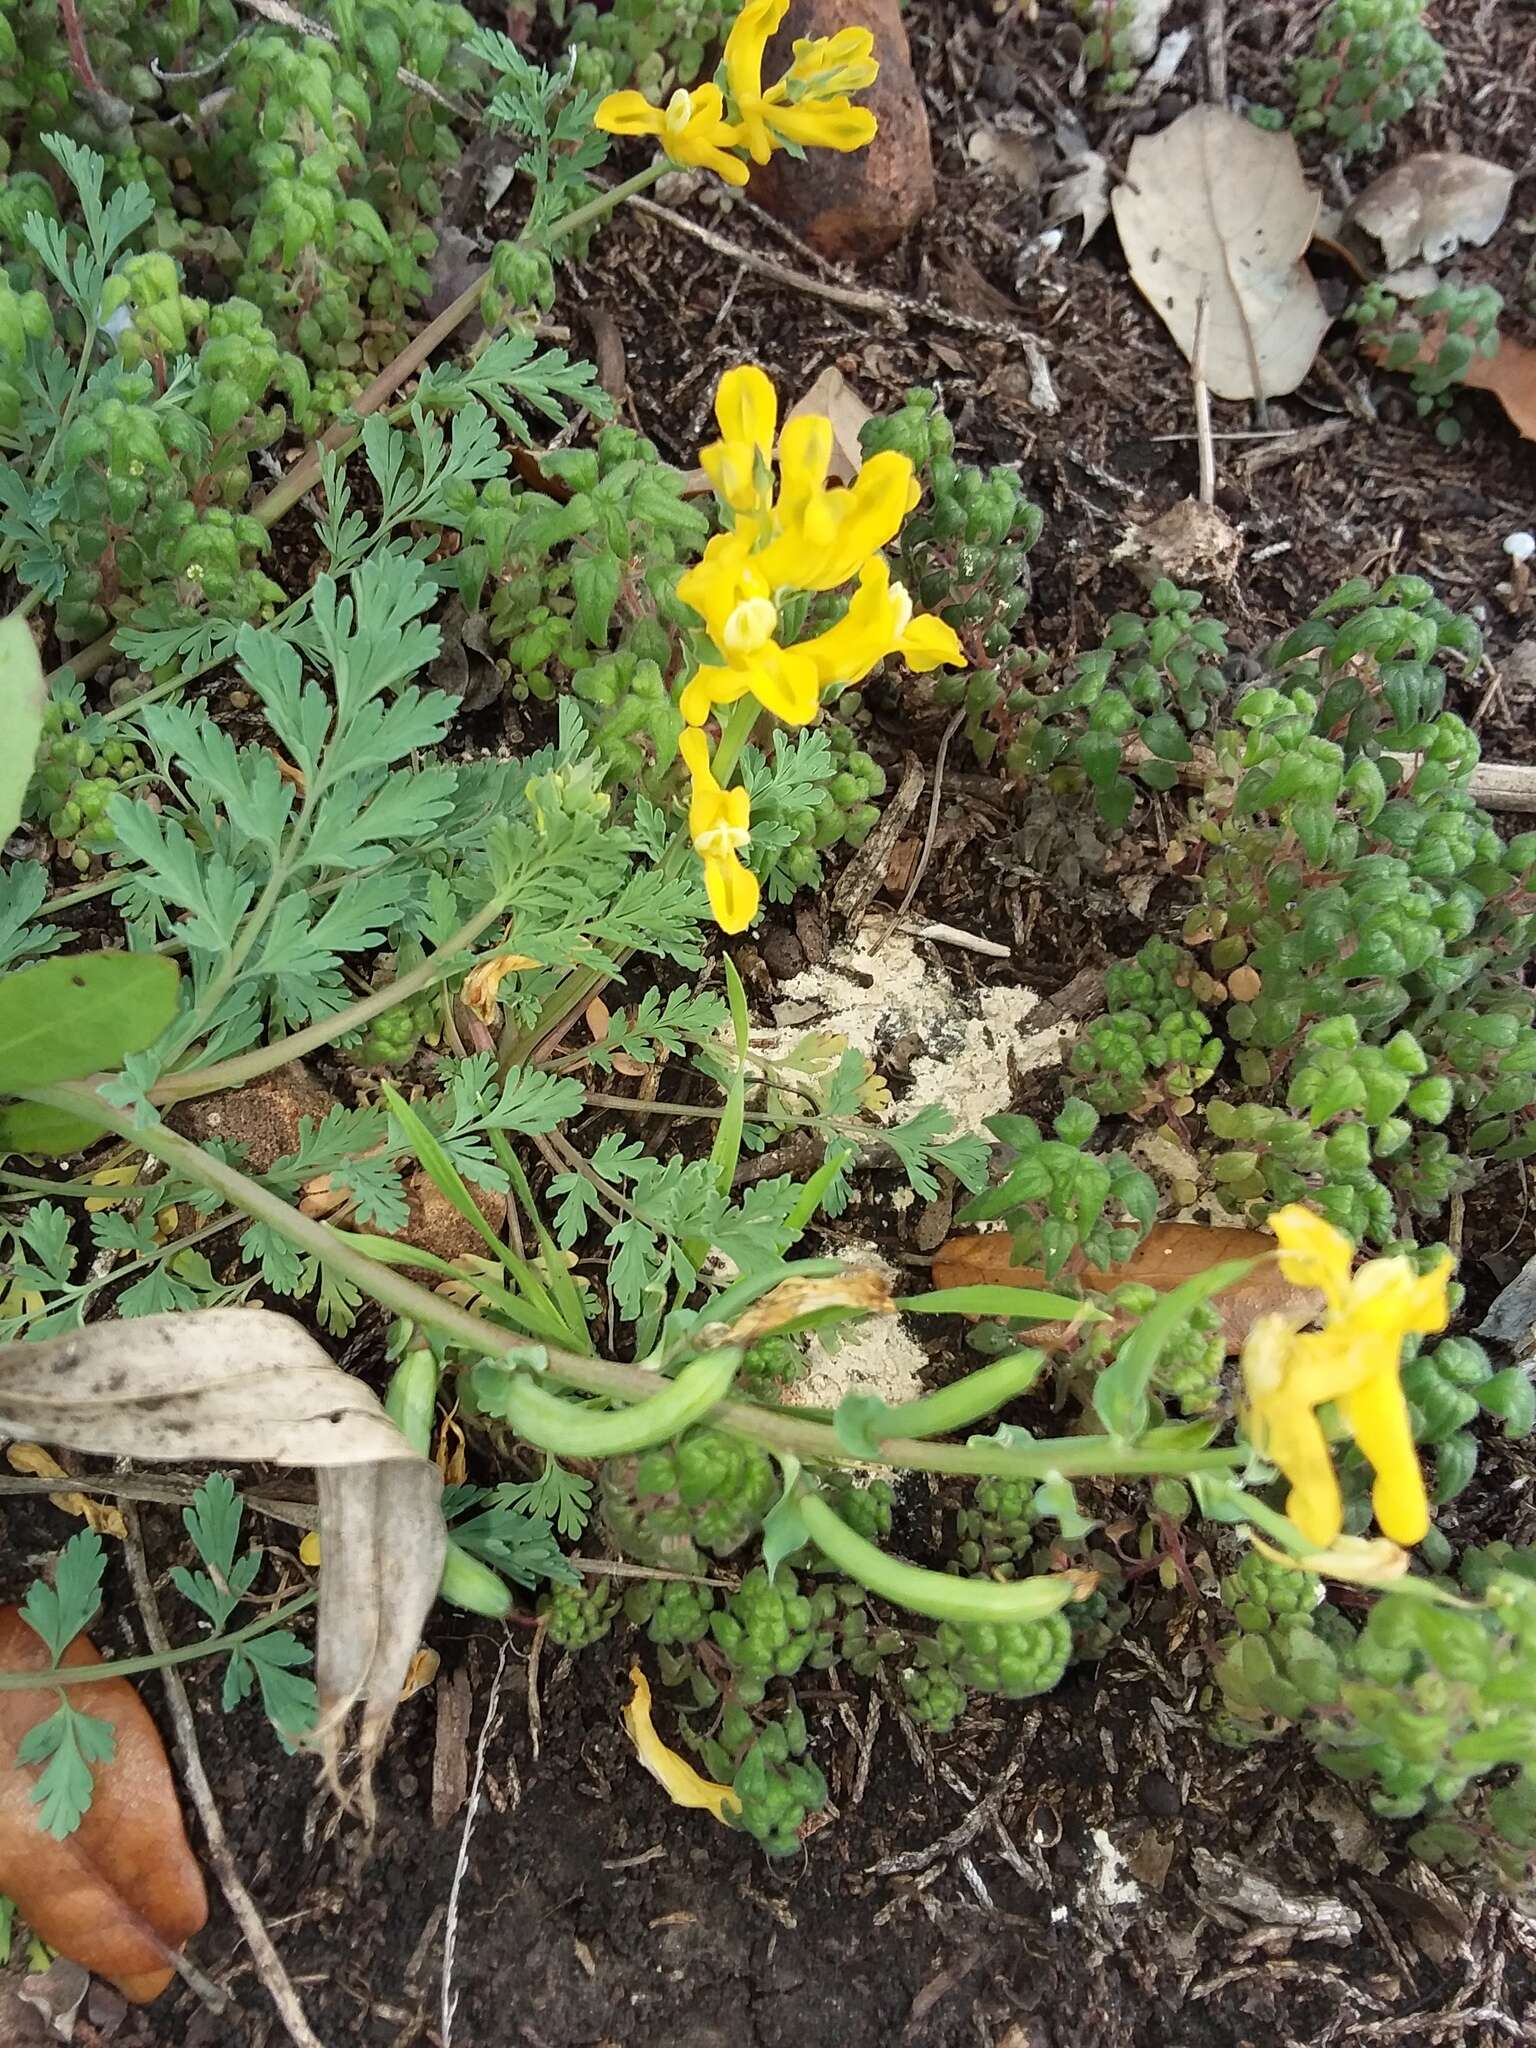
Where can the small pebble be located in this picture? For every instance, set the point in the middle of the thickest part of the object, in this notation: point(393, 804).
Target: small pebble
point(1158, 1795)
point(1000, 82)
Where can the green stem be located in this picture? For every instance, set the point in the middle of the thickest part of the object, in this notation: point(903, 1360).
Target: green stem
point(155, 1660)
point(262, 1059)
point(1074, 1457)
point(734, 735)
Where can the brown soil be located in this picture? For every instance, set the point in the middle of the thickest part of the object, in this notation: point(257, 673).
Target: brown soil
point(1041, 1879)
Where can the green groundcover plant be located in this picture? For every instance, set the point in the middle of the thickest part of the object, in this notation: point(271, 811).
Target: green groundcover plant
point(297, 844)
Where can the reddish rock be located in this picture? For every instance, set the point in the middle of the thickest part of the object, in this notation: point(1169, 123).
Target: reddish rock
point(434, 1225)
point(264, 1117)
point(854, 207)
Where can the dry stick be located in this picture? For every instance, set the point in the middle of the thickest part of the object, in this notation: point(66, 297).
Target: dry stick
point(169, 1491)
point(1203, 399)
point(932, 832)
point(858, 298)
point(461, 1865)
point(1215, 26)
point(268, 1963)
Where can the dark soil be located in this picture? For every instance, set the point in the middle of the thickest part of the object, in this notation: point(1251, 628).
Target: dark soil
point(1056, 1875)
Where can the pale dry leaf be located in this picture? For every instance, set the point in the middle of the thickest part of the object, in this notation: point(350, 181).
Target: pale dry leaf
point(835, 399)
point(1007, 152)
point(861, 1288)
point(247, 1384)
point(1170, 1254)
point(1084, 192)
point(1213, 208)
point(1433, 203)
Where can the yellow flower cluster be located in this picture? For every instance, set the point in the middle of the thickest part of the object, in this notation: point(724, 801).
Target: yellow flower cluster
point(808, 108)
point(796, 533)
point(1355, 1362)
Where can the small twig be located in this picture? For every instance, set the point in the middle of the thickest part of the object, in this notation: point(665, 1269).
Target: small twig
point(79, 55)
point(858, 298)
point(535, 1705)
point(951, 935)
point(172, 1492)
point(1215, 25)
point(450, 2000)
point(931, 834)
point(269, 1964)
point(1203, 399)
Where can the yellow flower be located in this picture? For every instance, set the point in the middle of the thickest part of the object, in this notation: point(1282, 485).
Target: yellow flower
point(1354, 1362)
point(879, 622)
point(739, 464)
point(676, 1776)
point(719, 826)
point(823, 536)
point(691, 128)
point(735, 601)
point(808, 106)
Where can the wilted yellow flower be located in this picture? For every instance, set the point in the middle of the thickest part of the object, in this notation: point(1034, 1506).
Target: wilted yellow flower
point(719, 826)
point(479, 993)
point(808, 106)
point(117, 1183)
point(1359, 1560)
point(1354, 1362)
point(691, 128)
point(678, 1779)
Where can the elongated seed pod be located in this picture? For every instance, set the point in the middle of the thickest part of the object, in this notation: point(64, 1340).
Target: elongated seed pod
point(938, 1594)
point(411, 1399)
point(578, 1429)
point(469, 1584)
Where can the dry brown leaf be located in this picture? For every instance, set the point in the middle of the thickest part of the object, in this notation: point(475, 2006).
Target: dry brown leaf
point(123, 1891)
point(232, 1384)
point(835, 398)
point(99, 1515)
point(1430, 204)
point(1171, 1254)
point(1213, 207)
point(1510, 375)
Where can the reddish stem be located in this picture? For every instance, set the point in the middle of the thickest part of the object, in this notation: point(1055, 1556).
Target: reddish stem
point(79, 55)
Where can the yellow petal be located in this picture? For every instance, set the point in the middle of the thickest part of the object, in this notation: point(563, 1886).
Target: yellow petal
point(1313, 1253)
point(628, 113)
point(309, 1550)
point(733, 890)
point(825, 124)
point(1376, 1416)
point(676, 1776)
point(746, 405)
point(927, 642)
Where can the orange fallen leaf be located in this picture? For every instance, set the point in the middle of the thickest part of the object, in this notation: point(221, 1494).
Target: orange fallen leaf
point(1510, 374)
point(124, 1891)
point(1171, 1254)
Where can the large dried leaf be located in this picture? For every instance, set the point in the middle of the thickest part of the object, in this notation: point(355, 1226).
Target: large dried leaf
point(1171, 1254)
point(1431, 203)
point(1215, 208)
point(227, 1384)
point(124, 1891)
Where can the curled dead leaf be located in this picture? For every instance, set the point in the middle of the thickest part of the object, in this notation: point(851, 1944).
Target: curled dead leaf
point(861, 1288)
point(1215, 209)
point(1430, 204)
point(124, 1891)
point(1170, 1254)
point(245, 1384)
